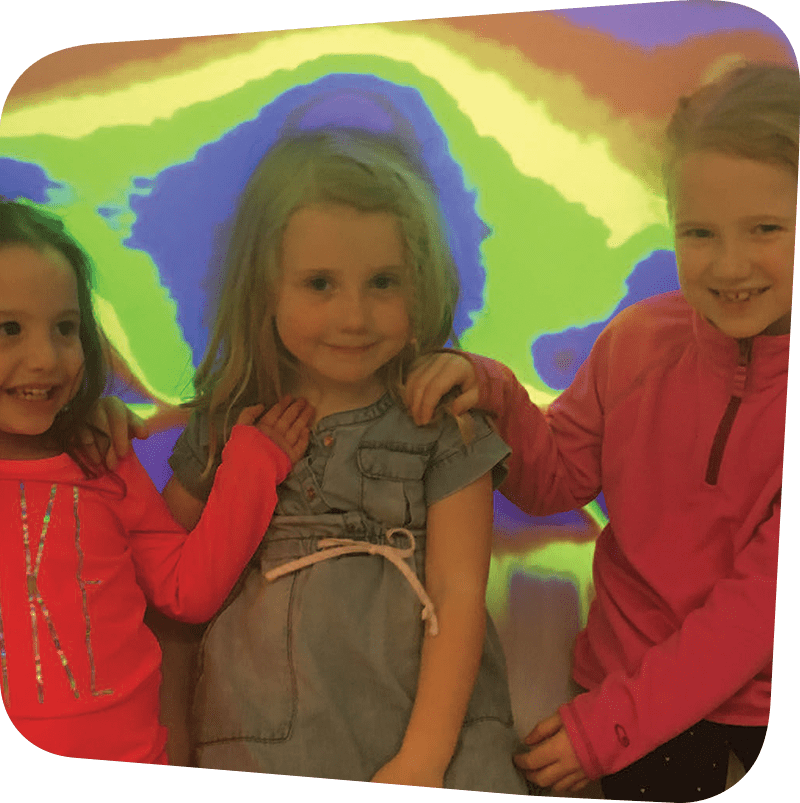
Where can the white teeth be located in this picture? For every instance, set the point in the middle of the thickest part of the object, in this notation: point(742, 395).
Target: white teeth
point(739, 295)
point(33, 394)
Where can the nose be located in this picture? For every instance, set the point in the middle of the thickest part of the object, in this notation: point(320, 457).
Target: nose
point(731, 261)
point(41, 352)
point(353, 312)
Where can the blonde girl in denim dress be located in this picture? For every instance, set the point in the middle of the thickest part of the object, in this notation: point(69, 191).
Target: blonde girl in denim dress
point(356, 644)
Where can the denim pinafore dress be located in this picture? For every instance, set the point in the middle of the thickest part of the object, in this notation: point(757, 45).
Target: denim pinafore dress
point(314, 671)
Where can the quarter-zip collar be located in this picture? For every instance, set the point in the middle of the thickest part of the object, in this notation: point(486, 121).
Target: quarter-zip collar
point(752, 364)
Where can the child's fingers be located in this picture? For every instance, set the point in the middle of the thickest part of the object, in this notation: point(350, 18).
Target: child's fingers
point(435, 380)
point(550, 776)
point(249, 415)
point(100, 421)
point(302, 413)
point(466, 401)
point(280, 419)
point(274, 414)
point(116, 423)
point(419, 379)
point(293, 429)
point(414, 377)
point(566, 781)
point(89, 439)
point(545, 729)
point(423, 396)
point(300, 446)
point(421, 366)
point(572, 783)
point(535, 759)
point(92, 453)
point(291, 413)
point(137, 426)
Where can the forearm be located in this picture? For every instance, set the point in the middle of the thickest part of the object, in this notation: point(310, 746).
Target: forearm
point(555, 459)
point(718, 649)
point(456, 570)
point(448, 669)
point(188, 578)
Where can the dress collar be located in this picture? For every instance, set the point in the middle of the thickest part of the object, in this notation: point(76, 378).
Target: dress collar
point(358, 416)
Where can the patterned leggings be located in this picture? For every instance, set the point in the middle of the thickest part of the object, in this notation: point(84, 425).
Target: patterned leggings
point(692, 766)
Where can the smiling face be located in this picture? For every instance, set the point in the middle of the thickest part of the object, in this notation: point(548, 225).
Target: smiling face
point(734, 222)
point(342, 299)
point(41, 357)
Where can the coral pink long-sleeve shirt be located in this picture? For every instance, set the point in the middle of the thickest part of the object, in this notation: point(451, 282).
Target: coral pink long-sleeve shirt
point(80, 671)
point(682, 428)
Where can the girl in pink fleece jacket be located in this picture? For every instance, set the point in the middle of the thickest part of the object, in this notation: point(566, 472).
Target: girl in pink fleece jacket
point(678, 417)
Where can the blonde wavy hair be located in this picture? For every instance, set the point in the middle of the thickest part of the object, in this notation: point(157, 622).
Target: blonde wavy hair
point(245, 363)
point(751, 111)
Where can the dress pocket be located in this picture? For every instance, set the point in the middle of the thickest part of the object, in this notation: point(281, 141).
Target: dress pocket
point(392, 489)
point(247, 688)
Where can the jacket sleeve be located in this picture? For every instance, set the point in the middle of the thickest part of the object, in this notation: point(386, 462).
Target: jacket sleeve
point(555, 456)
point(188, 576)
point(721, 646)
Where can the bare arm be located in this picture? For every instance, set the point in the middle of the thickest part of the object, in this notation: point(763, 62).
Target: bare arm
point(457, 567)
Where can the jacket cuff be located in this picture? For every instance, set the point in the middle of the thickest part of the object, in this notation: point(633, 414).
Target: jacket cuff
point(247, 443)
point(579, 740)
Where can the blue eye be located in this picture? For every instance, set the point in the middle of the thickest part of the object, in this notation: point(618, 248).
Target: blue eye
point(10, 328)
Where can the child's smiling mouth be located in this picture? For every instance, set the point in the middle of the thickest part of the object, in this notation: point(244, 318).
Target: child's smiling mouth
point(351, 349)
point(33, 393)
point(738, 295)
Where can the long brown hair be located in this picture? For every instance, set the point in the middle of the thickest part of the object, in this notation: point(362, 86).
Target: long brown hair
point(21, 224)
point(245, 362)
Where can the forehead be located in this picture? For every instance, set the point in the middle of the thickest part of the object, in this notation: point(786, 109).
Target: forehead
point(333, 236)
point(723, 183)
point(36, 277)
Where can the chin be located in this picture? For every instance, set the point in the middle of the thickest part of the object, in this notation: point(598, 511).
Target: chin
point(737, 332)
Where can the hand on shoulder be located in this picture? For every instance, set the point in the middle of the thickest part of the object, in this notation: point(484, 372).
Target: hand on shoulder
point(113, 424)
point(432, 377)
point(287, 424)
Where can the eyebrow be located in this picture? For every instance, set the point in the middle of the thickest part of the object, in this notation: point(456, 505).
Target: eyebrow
point(17, 313)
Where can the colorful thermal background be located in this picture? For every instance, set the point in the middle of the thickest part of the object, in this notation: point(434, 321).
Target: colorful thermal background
point(541, 129)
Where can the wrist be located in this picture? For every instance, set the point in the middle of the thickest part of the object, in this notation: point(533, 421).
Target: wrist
point(426, 755)
point(252, 441)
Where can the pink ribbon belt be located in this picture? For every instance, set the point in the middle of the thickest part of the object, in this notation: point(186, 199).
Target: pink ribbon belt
point(336, 547)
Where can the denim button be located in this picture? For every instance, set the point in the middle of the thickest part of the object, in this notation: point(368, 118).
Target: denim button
point(310, 493)
point(328, 440)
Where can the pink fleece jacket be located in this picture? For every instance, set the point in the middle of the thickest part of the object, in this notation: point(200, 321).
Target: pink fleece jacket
point(79, 558)
point(682, 428)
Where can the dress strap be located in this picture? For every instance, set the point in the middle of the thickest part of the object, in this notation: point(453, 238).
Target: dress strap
point(336, 547)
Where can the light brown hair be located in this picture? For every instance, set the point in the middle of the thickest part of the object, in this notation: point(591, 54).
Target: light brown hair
point(752, 111)
point(245, 362)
